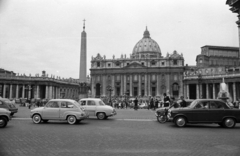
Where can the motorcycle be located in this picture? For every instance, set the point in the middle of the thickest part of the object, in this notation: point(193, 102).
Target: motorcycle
point(162, 116)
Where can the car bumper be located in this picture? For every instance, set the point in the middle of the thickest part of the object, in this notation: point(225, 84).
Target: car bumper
point(113, 113)
point(83, 117)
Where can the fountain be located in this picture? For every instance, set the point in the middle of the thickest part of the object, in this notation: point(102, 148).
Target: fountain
point(223, 93)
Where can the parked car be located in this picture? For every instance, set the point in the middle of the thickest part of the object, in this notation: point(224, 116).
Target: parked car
point(6, 103)
point(206, 111)
point(96, 107)
point(4, 117)
point(59, 109)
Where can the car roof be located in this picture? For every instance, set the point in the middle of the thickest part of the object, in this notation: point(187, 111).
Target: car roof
point(210, 100)
point(68, 100)
point(90, 99)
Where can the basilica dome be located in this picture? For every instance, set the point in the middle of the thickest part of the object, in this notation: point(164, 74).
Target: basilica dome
point(146, 44)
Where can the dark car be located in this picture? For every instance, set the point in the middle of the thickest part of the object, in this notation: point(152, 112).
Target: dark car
point(9, 105)
point(206, 111)
point(162, 110)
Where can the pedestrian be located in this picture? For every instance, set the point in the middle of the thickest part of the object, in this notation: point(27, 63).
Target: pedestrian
point(174, 103)
point(151, 103)
point(183, 103)
point(135, 104)
point(156, 104)
point(166, 100)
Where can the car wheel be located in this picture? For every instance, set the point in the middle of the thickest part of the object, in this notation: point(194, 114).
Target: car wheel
point(3, 122)
point(36, 118)
point(180, 121)
point(162, 118)
point(101, 116)
point(45, 121)
point(71, 119)
point(229, 123)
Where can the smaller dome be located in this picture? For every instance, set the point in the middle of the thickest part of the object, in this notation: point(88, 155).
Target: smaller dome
point(146, 44)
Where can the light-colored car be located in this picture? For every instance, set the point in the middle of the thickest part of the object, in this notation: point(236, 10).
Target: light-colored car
point(4, 117)
point(96, 107)
point(59, 109)
point(10, 105)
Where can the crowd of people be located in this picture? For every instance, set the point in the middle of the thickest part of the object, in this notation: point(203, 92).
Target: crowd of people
point(150, 104)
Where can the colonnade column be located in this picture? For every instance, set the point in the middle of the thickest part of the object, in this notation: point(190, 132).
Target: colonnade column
point(10, 95)
point(214, 91)
point(50, 92)
point(139, 85)
point(17, 90)
point(197, 91)
point(207, 91)
point(234, 91)
point(158, 88)
point(23, 91)
point(200, 94)
point(104, 85)
point(145, 85)
point(37, 96)
point(188, 91)
point(113, 85)
point(46, 92)
point(124, 83)
point(4, 90)
point(130, 85)
point(149, 85)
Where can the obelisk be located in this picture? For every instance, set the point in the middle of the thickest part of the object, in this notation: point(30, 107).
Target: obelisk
point(83, 56)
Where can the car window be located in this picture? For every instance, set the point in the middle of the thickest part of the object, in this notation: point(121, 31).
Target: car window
point(52, 104)
point(91, 103)
point(83, 103)
point(217, 105)
point(202, 105)
point(65, 104)
point(101, 103)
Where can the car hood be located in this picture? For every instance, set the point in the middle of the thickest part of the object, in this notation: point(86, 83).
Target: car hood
point(37, 109)
point(4, 110)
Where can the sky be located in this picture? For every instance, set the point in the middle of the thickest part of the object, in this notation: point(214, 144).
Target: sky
point(37, 35)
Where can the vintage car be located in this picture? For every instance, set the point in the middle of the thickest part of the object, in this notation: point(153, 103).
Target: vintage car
point(4, 117)
point(96, 107)
point(6, 103)
point(59, 109)
point(206, 111)
point(162, 111)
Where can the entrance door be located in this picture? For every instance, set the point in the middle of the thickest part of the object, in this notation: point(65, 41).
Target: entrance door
point(98, 90)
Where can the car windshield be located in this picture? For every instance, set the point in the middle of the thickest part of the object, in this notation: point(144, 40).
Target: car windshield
point(101, 103)
point(193, 104)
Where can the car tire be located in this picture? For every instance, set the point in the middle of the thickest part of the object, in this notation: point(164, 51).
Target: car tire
point(101, 116)
point(45, 121)
point(36, 118)
point(180, 121)
point(3, 122)
point(71, 119)
point(162, 118)
point(229, 123)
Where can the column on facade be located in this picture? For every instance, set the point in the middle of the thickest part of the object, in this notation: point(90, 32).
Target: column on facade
point(130, 85)
point(46, 92)
point(181, 88)
point(188, 91)
point(17, 91)
point(113, 85)
point(200, 89)
point(234, 91)
point(197, 90)
point(29, 91)
point(37, 94)
point(10, 96)
point(214, 91)
point(122, 85)
point(139, 85)
point(23, 91)
point(207, 90)
point(4, 90)
point(145, 86)
point(104, 85)
point(149, 85)
point(158, 87)
point(50, 92)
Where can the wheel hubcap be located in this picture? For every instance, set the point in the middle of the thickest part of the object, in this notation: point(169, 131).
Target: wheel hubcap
point(1, 122)
point(180, 122)
point(36, 118)
point(229, 122)
point(101, 116)
point(71, 119)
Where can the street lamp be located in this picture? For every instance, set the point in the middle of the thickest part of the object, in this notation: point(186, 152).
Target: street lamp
point(109, 88)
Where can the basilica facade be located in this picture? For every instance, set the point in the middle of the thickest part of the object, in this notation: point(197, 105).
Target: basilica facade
point(146, 73)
